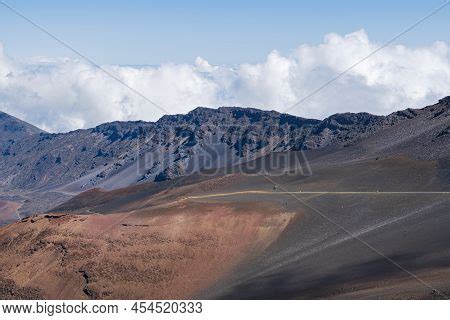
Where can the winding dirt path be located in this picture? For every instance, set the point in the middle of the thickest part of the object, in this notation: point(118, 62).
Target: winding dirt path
point(317, 192)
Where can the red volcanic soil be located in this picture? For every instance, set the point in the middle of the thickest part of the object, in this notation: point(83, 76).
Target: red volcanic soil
point(172, 252)
point(8, 211)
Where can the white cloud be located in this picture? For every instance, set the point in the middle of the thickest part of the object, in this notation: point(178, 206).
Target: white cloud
point(64, 94)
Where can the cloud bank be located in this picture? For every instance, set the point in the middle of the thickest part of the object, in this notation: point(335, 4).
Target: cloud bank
point(60, 94)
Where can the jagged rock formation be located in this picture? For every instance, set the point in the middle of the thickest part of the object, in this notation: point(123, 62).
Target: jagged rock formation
point(119, 154)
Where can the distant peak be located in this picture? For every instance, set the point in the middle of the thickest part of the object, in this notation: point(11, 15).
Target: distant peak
point(12, 127)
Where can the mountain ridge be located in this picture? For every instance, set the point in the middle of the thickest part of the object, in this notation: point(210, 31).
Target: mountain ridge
point(245, 131)
point(123, 153)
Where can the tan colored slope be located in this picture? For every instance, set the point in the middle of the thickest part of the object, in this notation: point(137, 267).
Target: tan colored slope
point(8, 211)
point(171, 252)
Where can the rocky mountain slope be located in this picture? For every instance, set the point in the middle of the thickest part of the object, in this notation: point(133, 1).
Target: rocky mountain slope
point(12, 129)
point(119, 154)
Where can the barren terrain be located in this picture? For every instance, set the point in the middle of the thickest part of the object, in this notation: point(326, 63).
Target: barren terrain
point(363, 213)
point(172, 252)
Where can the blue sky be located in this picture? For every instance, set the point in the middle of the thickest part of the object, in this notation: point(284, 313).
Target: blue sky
point(227, 32)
